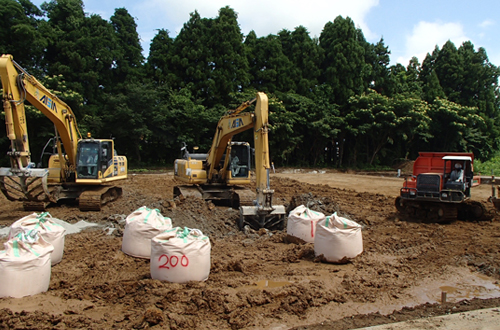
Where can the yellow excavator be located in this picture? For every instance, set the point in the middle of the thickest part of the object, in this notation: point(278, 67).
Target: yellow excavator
point(224, 173)
point(78, 169)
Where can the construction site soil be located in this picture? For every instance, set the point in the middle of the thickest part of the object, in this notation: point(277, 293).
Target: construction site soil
point(258, 279)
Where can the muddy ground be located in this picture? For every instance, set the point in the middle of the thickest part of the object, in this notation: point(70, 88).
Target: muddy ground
point(257, 279)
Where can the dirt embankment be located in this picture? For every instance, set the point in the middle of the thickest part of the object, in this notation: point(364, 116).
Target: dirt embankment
point(257, 279)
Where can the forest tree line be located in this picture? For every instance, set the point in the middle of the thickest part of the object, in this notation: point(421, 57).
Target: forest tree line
point(334, 100)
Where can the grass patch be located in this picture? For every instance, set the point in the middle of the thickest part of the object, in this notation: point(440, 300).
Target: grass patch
point(486, 168)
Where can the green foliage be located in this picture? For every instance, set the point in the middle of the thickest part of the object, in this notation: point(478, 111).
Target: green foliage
point(20, 33)
point(269, 66)
point(333, 101)
point(128, 59)
point(488, 167)
point(305, 56)
point(344, 62)
point(160, 56)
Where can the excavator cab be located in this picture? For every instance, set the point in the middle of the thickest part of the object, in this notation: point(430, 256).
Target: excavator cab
point(94, 157)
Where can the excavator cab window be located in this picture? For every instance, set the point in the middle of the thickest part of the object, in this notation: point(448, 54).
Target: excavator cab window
point(88, 160)
point(239, 163)
point(107, 155)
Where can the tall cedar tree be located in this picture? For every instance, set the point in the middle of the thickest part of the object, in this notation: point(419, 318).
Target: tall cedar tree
point(129, 58)
point(159, 59)
point(83, 50)
point(229, 65)
point(344, 61)
point(305, 55)
point(270, 67)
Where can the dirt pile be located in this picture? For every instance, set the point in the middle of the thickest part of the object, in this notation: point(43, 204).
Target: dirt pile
point(257, 278)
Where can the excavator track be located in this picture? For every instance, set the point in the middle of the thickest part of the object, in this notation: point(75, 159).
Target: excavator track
point(244, 197)
point(92, 199)
point(34, 206)
point(187, 191)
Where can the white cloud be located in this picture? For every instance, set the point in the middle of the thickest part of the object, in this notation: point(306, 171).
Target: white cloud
point(425, 36)
point(487, 23)
point(262, 16)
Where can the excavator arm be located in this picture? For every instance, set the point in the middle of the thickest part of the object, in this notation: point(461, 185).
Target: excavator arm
point(264, 214)
point(19, 86)
point(21, 181)
point(228, 126)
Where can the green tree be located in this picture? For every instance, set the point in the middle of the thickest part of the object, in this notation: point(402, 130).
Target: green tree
point(191, 57)
point(159, 59)
point(83, 50)
point(209, 59)
point(305, 56)
point(129, 59)
point(378, 57)
point(449, 70)
point(378, 121)
point(344, 62)
point(229, 65)
point(20, 36)
point(269, 66)
point(412, 77)
point(454, 127)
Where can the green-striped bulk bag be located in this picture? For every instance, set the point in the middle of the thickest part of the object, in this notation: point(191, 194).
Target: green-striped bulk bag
point(47, 227)
point(140, 227)
point(180, 255)
point(338, 239)
point(25, 265)
point(302, 223)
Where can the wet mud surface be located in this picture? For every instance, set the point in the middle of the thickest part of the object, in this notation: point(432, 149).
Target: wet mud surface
point(259, 280)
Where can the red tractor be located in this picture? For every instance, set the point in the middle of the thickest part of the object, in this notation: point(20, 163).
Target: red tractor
point(439, 189)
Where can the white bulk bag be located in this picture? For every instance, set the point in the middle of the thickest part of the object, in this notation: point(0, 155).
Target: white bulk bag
point(25, 265)
point(141, 226)
point(338, 238)
point(180, 255)
point(45, 225)
point(302, 223)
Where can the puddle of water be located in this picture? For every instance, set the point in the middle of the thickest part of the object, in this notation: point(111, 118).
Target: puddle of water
point(265, 284)
point(463, 286)
point(458, 283)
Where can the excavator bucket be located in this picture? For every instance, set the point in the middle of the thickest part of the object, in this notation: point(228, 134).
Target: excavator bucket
point(27, 185)
point(258, 218)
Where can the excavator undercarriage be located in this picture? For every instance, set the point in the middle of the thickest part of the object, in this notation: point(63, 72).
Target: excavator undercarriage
point(31, 188)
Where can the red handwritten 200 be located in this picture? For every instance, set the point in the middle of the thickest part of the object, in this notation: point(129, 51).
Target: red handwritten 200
point(173, 261)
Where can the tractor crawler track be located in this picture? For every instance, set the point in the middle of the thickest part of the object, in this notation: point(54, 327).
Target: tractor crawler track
point(440, 211)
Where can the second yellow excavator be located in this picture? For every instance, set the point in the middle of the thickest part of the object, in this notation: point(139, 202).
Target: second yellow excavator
point(79, 169)
point(224, 173)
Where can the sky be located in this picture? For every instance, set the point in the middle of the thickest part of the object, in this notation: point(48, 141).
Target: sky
point(409, 28)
